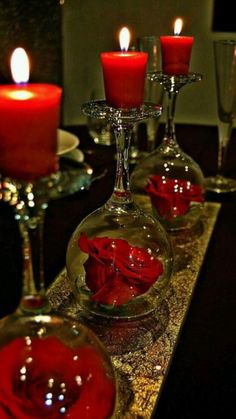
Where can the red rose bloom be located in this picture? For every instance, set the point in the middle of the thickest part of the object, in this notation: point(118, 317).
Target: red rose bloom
point(43, 378)
point(117, 272)
point(172, 197)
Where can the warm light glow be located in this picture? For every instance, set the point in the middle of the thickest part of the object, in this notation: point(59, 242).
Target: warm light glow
point(20, 66)
point(178, 26)
point(21, 94)
point(124, 39)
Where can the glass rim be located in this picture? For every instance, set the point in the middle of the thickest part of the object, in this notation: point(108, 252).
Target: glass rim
point(225, 41)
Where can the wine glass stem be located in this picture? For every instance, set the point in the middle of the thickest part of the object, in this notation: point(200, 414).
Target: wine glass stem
point(31, 222)
point(121, 193)
point(225, 130)
point(170, 125)
point(134, 146)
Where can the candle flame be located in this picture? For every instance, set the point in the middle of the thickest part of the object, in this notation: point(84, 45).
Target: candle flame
point(124, 39)
point(20, 66)
point(178, 26)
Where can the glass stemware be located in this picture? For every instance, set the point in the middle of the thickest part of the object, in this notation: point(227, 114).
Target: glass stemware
point(47, 359)
point(225, 73)
point(119, 259)
point(153, 92)
point(168, 182)
point(51, 366)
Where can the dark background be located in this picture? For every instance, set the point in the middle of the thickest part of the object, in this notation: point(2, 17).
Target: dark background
point(35, 26)
point(224, 16)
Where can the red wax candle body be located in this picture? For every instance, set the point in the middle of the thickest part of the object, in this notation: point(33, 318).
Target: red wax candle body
point(29, 116)
point(176, 54)
point(124, 78)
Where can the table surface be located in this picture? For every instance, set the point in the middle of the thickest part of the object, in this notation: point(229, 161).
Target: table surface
point(202, 376)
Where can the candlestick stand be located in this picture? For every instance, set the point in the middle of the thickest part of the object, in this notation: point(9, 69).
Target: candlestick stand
point(119, 259)
point(168, 182)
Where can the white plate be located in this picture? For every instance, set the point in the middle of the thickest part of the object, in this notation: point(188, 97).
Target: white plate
point(76, 155)
point(66, 142)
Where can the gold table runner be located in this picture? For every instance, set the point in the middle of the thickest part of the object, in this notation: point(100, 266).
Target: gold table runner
point(142, 350)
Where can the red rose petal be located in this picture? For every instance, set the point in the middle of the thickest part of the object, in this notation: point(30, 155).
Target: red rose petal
point(117, 272)
point(116, 292)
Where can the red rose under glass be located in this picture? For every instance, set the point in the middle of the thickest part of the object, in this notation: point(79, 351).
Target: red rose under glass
point(117, 272)
point(172, 198)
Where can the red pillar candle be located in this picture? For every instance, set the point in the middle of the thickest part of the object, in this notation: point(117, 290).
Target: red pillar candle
point(124, 75)
point(176, 51)
point(29, 115)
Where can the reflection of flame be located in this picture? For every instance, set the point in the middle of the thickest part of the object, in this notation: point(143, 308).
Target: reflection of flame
point(178, 26)
point(124, 39)
point(20, 66)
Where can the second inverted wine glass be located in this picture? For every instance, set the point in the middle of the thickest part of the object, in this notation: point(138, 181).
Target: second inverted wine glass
point(225, 73)
point(168, 182)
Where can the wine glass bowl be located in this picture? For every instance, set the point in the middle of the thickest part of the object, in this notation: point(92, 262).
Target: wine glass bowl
point(225, 77)
point(169, 185)
point(119, 262)
point(52, 366)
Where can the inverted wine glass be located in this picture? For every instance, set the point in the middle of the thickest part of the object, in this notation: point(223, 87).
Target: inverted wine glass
point(119, 258)
point(225, 74)
point(169, 183)
point(51, 366)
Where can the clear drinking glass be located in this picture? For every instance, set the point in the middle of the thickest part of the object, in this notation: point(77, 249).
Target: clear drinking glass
point(154, 92)
point(225, 73)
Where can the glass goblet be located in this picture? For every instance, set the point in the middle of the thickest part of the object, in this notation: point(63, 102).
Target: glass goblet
point(168, 183)
point(119, 259)
point(225, 73)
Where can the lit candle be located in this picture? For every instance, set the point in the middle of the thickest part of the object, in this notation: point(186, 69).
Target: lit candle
point(176, 51)
point(29, 115)
point(124, 75)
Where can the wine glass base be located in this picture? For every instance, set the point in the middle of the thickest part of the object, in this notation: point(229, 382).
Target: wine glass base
point(220, 184)
point(121, 335)
point(68, 180)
